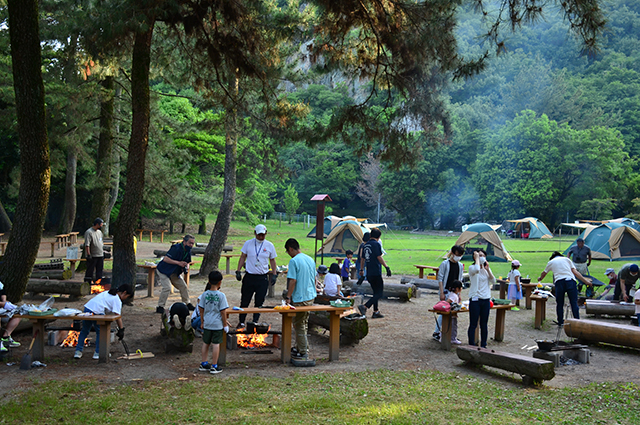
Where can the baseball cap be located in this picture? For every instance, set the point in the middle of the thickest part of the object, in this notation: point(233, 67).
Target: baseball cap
point(261, 229)
point(98, 221)
point(322, 269)
point(515, 263)
point(633, 268)
point(609, 271)
point(579, 240)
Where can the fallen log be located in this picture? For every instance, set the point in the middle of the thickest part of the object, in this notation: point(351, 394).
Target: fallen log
point(421, 283)
point(51, 274)
point(599, 307)
point(69, 287)
point(610, 333)
point(530, 368)
point(390, 290)
point(352, 328)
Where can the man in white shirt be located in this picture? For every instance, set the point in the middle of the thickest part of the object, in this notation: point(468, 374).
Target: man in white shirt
point(564, 274)
point(257, 255)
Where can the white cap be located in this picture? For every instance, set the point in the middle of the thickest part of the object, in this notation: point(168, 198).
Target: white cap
point(261, 229)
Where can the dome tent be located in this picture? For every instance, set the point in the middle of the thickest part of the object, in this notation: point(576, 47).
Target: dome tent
point(346, 235)
point(536, 228)
point(329, 223)
point(611, 241)
point(495, 248)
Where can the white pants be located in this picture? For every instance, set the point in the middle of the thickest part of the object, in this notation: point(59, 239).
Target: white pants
point(175, 280)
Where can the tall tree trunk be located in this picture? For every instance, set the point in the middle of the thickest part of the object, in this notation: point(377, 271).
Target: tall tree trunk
point(35, 171)
point(124, 258)
point(70, 201)
point(5, 221)
point(104, 161)
point(223, 221)
point(202, 227)
point(115, 175)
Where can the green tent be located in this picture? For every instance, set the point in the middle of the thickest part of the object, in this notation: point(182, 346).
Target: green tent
point(611, 241)
point(533, 226)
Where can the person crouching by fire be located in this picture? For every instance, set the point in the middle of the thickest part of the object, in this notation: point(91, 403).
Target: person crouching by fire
point(108, 302)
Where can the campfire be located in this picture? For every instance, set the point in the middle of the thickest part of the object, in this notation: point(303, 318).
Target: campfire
point(72, 340)
point(97, 287)
point(251, 341)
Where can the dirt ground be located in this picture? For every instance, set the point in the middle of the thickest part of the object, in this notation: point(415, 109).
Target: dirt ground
point(399, 341)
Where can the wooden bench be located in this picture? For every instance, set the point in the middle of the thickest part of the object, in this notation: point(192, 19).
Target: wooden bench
point(63, 240)
point(421, 270)
point(104, 321)
point(287, 320)
point(151, 277)
point(228, 257)
point(73, 237)
point(445, 335)
point(162, 232)
point(530, 368)
point(541, 310)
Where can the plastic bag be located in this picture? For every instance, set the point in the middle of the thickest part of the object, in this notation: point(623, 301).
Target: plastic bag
point(47, 304)
point(67, 312)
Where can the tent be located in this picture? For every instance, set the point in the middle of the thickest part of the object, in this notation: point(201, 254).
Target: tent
point(484, 233)
point(534, 227)
point(628, 221)
point(329, 223)
point(611, 241)
point(347, 234)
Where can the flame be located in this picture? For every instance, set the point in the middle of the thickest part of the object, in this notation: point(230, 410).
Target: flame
point(251, 341)
point(96, 287)
point(72, 340)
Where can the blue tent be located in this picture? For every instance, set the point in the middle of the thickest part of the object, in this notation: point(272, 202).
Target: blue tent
point(495, 248)
point(611, 241)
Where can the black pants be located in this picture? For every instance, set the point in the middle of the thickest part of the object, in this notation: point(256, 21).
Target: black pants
point(377, 285)
point(617, 292)
point(257, 284)
point(96, 263)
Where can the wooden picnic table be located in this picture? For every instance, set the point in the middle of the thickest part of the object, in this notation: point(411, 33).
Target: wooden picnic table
point(528, 288)
point(228, 257)
point(62, 239)
point(287, 320)
point(73, 237)
point(151, 277)
point(445, 334)
point(541, 310)
point(104, 321)
point(421, 269)
point(162, 232)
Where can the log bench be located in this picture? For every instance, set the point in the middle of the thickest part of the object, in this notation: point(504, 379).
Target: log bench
point(532, 370)
point(445, 334)
point(421, 270)
point(596, 331)
point(287, 320)
point(394, 290)
point(541, 310)
point(104, 321)
point(72, 288)
point(610, 308)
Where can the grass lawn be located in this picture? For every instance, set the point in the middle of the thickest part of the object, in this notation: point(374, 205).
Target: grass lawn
point(371, 397)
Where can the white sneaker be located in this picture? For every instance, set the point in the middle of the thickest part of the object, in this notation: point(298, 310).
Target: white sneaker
point(176, 322)
point(77, 354)
point(96, 355)
point(456, 341)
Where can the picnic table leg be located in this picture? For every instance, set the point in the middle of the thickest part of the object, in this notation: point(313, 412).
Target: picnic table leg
point(421, 274)
point(540, 307)
point(285, 344)
point(445, 335)
point(500, 319)
point(527, 296)
point(105, 340)
point(151, 280)
point(228, 265)
point(53, 244)
point(222, 356)
point(140, 236)
point(334, 335)
point(38, 339)
point(503, 291)
point(72, 267)
point(162, 237)
point(150, 236)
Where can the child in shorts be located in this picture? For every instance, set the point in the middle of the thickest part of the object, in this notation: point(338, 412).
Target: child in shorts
point(212, 307)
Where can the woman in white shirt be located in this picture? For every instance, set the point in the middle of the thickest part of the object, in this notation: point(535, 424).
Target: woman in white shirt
point(479, 297)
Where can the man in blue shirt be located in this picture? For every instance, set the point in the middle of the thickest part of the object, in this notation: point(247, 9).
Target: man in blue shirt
point(301, 290)
point(170, 270)
point(372, 253)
